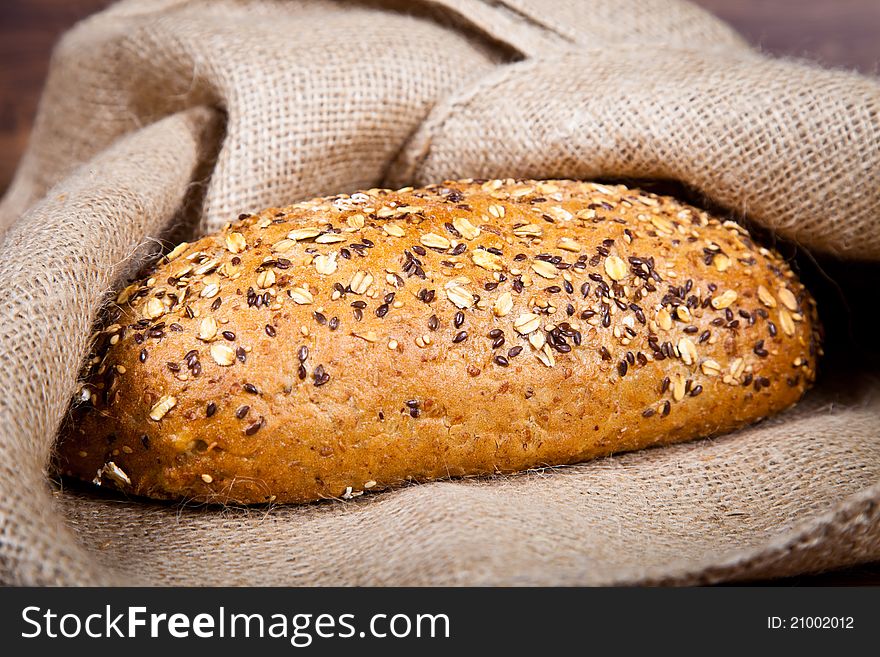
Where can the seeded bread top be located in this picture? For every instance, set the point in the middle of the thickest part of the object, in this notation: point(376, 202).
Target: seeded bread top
point(481, 278)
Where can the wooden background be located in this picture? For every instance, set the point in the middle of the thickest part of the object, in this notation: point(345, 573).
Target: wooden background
point(843, 33)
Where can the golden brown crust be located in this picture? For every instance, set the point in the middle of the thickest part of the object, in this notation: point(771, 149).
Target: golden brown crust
point(358, 342)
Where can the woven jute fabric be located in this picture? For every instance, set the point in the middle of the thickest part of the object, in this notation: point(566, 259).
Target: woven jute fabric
point(162, 119)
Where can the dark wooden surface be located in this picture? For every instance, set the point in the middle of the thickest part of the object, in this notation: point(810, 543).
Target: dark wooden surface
point(843, 33)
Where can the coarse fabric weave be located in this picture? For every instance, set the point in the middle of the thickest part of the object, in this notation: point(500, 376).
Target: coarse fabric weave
point(162, 119)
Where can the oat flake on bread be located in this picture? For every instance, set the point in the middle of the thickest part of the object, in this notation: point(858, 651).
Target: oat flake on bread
point(470, 327)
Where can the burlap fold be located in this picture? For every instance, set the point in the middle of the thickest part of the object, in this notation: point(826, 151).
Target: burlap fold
point(162, 118)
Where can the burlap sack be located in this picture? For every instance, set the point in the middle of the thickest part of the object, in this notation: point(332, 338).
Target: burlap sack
point(162, 118)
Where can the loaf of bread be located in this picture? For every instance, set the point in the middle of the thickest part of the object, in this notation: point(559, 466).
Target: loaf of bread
point(355, 343)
